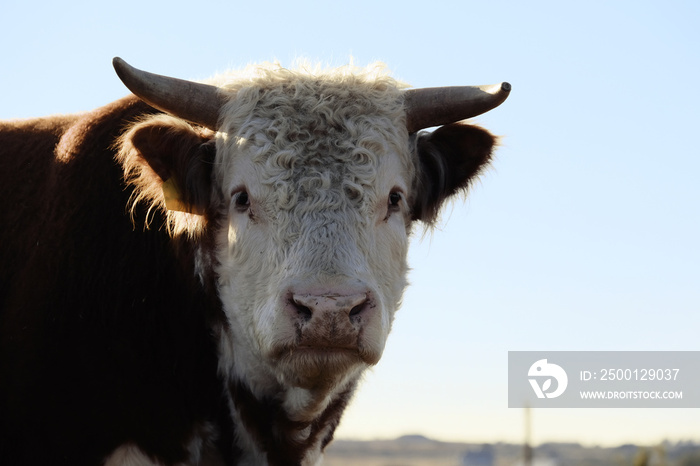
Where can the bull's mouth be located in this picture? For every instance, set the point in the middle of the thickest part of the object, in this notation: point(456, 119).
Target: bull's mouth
point(318, 353)
point(327, 348)
point(313, 366)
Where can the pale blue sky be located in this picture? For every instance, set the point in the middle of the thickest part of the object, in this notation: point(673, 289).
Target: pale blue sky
point(583, 236)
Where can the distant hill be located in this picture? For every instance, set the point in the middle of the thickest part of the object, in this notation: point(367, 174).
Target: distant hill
point(414, 438)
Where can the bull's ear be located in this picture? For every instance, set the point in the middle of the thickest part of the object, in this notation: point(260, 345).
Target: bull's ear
point(181, 156)
point(449, 159)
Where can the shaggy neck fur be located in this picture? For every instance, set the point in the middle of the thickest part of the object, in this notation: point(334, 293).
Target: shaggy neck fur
point(269, 432)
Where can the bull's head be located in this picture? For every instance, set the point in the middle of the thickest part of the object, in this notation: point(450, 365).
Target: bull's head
point(307, 187)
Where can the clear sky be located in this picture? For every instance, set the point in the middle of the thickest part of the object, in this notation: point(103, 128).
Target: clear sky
point(583, 236)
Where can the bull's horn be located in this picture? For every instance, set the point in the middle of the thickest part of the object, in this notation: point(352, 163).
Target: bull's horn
point(442, 105)
point(195, 102)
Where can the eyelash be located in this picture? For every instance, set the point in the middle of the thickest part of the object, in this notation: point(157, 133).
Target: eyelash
point(394, 198)
point(395, 201)
point(241, 201)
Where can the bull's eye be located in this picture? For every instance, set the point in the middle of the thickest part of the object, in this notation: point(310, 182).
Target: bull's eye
point(394, 201)
point(242, 201)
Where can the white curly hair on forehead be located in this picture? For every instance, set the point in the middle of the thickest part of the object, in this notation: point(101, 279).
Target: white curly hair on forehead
point(306, 81)
point(312, 116)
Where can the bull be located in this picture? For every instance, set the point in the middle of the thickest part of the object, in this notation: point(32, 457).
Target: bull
point(199, 273)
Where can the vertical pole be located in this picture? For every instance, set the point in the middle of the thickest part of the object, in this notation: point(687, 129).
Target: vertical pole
point(527, 448)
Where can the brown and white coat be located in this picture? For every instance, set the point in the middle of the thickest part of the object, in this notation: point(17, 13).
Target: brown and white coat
point(204, 281)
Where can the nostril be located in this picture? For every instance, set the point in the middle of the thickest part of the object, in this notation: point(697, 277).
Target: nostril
point(304, 312)
point(325, 306)
point(355, 311)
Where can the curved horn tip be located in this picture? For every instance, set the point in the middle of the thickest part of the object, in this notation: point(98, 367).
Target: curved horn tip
point(119, 64)
point(502, 88)
point(122, 68)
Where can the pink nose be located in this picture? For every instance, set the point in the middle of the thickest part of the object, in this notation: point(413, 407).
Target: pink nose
point(309, 306)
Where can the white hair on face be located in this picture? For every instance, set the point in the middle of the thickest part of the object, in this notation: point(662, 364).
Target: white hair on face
point(319, 150)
